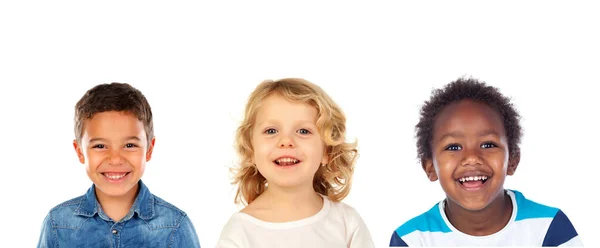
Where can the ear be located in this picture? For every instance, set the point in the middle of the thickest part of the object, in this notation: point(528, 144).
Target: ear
point(78, 150)
point(513, 162)
point(429, 169)
point(150, 150)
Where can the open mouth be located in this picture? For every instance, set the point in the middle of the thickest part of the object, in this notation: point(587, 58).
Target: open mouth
point(115, 176)
point(286, 161)
point(473, 182)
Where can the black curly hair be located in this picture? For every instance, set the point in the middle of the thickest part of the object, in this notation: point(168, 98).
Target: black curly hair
point(467, 88)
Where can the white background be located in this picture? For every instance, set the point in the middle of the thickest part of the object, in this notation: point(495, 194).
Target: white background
point(196, 63)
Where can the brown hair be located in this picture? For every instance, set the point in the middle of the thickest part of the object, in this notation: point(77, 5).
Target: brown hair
point(113, 97)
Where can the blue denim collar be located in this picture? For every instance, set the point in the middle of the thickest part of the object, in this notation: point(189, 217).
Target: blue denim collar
point(143, 204)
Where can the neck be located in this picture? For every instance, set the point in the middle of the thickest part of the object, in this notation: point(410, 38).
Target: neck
point(482, 222)
point(117, 207)
point(281, 204)
point(292, 198)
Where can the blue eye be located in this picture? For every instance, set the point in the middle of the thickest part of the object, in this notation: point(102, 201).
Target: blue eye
point(270, 131)
point(453, 147)
point(303, 131)
point(100, 146)
point(488, 145)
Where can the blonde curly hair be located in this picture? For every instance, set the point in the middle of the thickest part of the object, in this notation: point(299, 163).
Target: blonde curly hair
point(333, 179)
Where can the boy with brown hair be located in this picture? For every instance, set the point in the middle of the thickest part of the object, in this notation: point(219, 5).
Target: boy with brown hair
point(114, 139)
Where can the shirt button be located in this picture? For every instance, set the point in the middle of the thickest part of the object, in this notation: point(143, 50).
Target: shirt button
point(114, 231)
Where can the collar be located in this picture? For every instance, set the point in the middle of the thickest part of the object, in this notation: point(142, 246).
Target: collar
point(143, 204)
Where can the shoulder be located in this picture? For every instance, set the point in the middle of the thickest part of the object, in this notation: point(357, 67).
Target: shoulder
point(166, 214)
point(68, 206)
point(429, 221)
point(63, 214)
point(343, 209)
point(352, 220)
point(558, 228)
point(235, 223)
point(234, 231)
point(162, 206)
point(528, 209)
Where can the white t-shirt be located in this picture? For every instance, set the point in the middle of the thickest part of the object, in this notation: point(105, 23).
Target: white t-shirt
point(336, 225)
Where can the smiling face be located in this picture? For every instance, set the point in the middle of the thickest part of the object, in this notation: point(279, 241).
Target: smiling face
point(287, 145)
point(470, 154)
point(115, 151)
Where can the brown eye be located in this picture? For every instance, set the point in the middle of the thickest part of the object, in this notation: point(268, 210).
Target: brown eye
point(453, 147)
point(131, 145)
point(271, 131)
point(488, 145)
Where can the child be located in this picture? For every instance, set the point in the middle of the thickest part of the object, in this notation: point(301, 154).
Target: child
point(114, 139)
point(468, 138)
point(295, 170)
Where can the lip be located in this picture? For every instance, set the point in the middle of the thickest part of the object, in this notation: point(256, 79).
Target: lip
point(116, 181)
point(472, 174)
point(472, 189)
point(287, 166)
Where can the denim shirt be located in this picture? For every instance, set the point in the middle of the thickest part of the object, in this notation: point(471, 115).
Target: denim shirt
point(151, 222)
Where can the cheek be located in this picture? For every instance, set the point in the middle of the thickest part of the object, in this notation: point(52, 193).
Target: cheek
point(261, 150)
point(444, 165)
point(135, 157)
point(93, 159)
point(498, 161)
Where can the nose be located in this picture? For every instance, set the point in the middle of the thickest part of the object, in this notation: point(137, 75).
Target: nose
point(115, 157)
point(472, 156)
point(286, 142)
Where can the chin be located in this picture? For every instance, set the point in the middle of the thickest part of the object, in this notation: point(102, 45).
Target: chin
point(474, 205)
point(113, 190)
point(286, 183)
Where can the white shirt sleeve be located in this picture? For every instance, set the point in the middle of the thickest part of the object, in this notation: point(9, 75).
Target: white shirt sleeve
point(360, 237)
point(574, 242)
point(232, 235)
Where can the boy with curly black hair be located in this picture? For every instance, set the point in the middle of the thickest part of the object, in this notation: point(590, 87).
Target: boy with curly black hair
point(468, 138)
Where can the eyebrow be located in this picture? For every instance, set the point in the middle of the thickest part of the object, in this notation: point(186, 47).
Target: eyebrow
point(276, 122)
point(103, 139)
point(453, 135)
point(488, 132)
point(461, 134)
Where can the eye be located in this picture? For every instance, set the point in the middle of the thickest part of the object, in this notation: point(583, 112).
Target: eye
point(453, 147)
point(488, 145)
point(303, 131)
point(131, 145)
point(99, 146)
point(270, 131)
